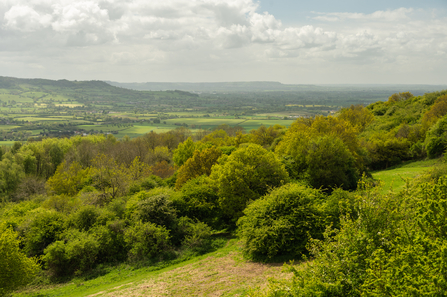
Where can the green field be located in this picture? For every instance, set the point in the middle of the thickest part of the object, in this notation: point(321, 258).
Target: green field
point(396, 177)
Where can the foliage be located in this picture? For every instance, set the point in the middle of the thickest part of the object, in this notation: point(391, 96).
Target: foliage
point(16, 269)
point(146, 241)
point(436, 140)
point(297, 141)
point(68, 179)
point(330, 164)
point(10, 174)
point(198, 200)
point(109, 177)
point(76, 253)
point(163, 169)
point(41, 230)
point(395, 245)
point(399, 97)
point(199, 164)
point(359, 116)
point(247, 174)
point(156, 209)
point(281, 223)
point(197, 235)
point(183, 152)
point(436, 111)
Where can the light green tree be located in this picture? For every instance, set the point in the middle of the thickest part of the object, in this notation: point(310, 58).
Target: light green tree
point(16, 269)
point(247, 174)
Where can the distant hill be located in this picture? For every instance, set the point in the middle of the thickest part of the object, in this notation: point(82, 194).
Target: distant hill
point(253, 86)
point(262, 86)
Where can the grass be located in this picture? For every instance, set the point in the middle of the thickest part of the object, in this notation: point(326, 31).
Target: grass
point(395, 177)
point(220, 273)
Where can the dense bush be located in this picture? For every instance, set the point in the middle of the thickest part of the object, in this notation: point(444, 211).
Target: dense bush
point(436, 139)
point(158, 210)
point(41, 230)
point(16, 269)
point(247, 174)
point(330, 164)
point(198, 200)
point(147, 241)
point(196, 235)
point(281, 222)
point(76, 253)
point(396, 245)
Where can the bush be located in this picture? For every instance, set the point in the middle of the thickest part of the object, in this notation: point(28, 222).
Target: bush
point(330, 164)
point(77, 253)
point(247, 174)
point(85, 217)
point(198, 200)
point(146, 241)
point(42, 230)
point(156, 209)
point(436, 139)
point(396, 245)
point(16, 269)
point(281, 222)
point(112, 246)
point(196, 235)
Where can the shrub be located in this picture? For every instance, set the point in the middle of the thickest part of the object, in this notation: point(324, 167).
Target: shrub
point(281, 222)
point(85, 217)
point(396, 245)
point(16, 269)
point(196, 235)
point(43, 229)
point(156, 209)
point(146, 241)
point(112, 246)
point(330, 164)
point(198, 200)
point(77, 253)
point(436, 139)
point(247, 174)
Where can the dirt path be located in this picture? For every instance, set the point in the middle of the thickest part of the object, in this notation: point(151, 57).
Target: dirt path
point(229, 275)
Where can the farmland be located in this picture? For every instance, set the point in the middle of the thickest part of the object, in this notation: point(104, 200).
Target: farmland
point(36, 108)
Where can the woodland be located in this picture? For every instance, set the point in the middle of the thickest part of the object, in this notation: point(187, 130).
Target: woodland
point(301, 193)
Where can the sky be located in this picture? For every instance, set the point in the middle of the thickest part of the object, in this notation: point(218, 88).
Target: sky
point(293, 42)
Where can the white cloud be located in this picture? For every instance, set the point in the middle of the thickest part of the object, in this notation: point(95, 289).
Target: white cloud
point(193, 35)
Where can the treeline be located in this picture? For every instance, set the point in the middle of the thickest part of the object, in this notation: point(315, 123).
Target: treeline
point(71, 204)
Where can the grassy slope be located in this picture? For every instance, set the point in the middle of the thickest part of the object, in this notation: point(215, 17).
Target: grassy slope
point(395, 177)
point(220, 273)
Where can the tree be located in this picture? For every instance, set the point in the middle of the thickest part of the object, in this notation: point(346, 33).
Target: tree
point(183, 152)
point(330, 164)
point(68, 179)
point(359, 116)
point(199, 164)
point(438, 110)
point(247, 174)
point(399, 97)
point(436, 139)
point(16, 269)
point(301, 137)
point(109, 177)
point(10, 174)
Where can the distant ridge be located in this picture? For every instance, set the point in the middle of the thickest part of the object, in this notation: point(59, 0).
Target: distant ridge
point(211, 86)
point(263, 86)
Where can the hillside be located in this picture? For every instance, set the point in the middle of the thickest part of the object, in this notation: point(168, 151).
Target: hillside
point(90, 206)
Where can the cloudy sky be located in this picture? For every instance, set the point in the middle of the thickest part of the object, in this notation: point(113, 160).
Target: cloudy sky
point(301, 41)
